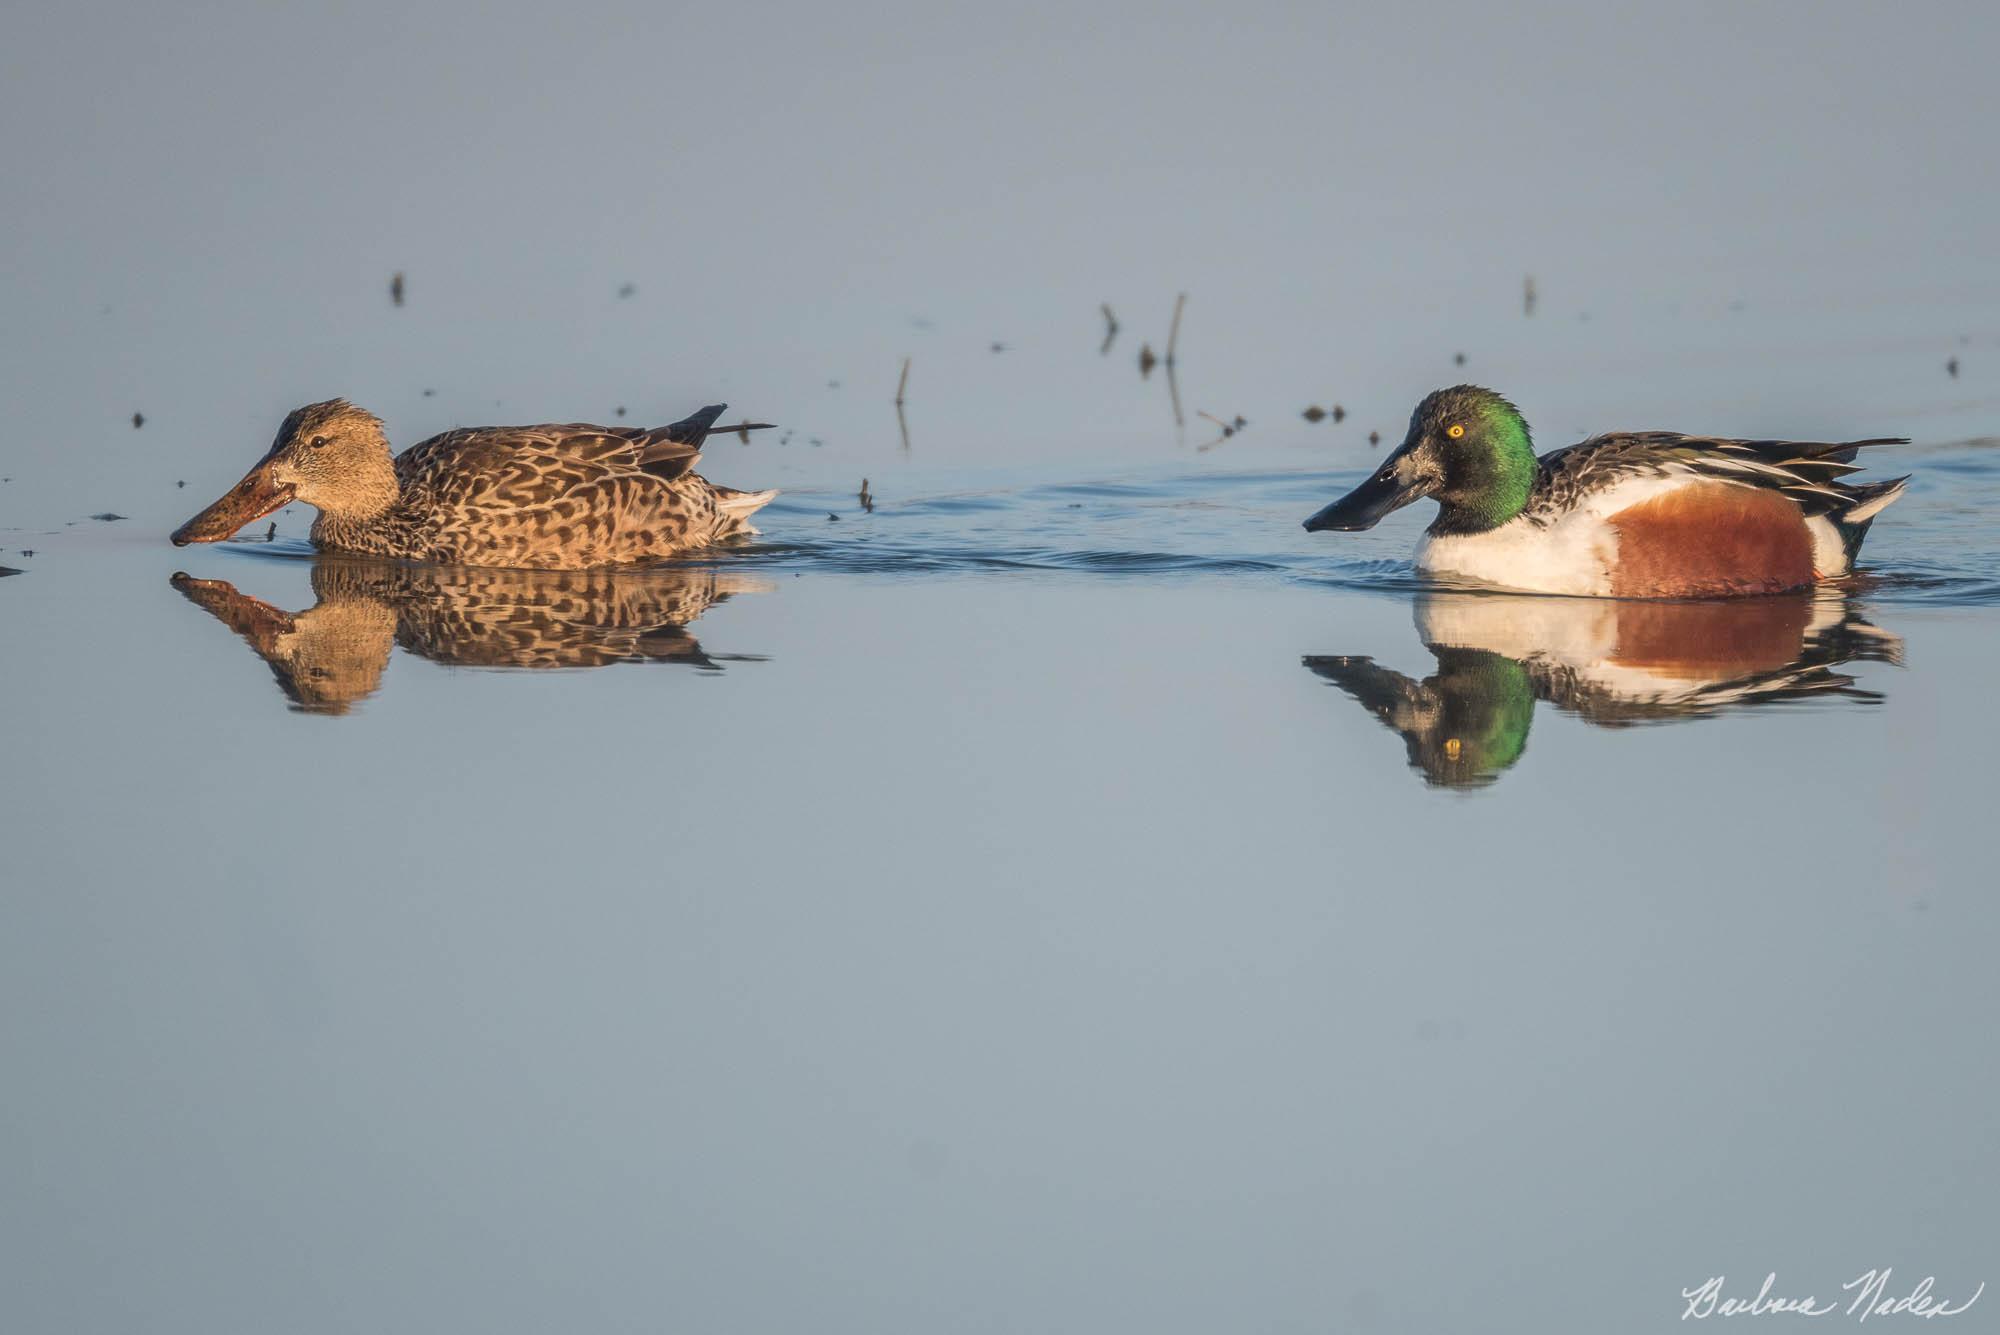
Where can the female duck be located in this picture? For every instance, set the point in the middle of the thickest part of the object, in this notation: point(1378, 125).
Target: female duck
point(549, 497)
point(1634, 515)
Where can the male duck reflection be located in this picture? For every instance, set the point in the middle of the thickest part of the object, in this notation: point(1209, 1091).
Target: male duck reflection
point(1634, 515)
point(550, 497)
point(334, 653)
point(1610, 663)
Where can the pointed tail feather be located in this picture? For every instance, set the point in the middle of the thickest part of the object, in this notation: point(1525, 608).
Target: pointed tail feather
point(697, 427)
point(1869, 501)
point(738, 506)
point(1873, 499)
point(692, 429)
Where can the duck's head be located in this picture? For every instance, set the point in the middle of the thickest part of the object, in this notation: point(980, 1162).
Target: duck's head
point(1468, 447)
point(332, 455)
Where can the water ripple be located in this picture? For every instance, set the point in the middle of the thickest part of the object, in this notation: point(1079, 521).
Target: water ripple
point(1937, 548)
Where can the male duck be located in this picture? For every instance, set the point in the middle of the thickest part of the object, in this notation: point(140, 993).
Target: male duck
point(550, 497)
point(1634, 515)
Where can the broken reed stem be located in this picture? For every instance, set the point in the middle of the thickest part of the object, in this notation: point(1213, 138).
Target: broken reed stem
point(903, 382)
point(1174, 334)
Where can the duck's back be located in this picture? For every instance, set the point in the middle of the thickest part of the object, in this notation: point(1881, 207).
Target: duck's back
point(552, 496)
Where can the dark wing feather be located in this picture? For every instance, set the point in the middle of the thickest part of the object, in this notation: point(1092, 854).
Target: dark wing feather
point(1804, 470)
point(671, 450)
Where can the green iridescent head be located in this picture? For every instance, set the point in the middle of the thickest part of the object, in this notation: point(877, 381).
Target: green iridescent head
point(1468, 447)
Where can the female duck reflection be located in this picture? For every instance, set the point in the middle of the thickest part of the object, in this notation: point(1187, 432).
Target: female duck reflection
point(1610, 663)
point(334, 653)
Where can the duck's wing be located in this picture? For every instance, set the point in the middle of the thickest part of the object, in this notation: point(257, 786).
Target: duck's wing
point(552, 451)
point(1805, 470)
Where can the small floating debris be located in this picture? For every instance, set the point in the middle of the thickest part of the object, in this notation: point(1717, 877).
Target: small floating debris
point(1147, 361)
point(620, 410)
point(430, 393)
point(1174, 333)
point(1951, 368)
point(999, 347)
point(833, 384)
point(627, 290)
point(271, 533)
point(832, 518)
point(815, 441)
point(28, 551)
point(1228, 428)
point(902, 383)
point(1458, 359)
point(867, 501)
point(182, 482)
point(1110, 328)
point(1374, 437)
point(1339, 413)
point(108, 517)
point(396, 288)
point(1314, 414)
point(1528, 295)
point(138, 420)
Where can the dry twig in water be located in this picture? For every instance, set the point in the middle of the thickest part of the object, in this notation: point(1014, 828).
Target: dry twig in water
point(1228, 428)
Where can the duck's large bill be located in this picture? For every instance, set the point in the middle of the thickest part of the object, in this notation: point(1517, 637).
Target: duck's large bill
point(257, 495)
point(1386, 491)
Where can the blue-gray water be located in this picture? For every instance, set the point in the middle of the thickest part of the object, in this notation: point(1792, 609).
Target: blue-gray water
point(1068, 896)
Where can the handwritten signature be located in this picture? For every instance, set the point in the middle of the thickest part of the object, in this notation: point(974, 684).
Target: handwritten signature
point(1871, 1298)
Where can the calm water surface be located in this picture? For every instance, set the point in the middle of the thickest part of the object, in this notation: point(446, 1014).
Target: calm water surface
point(1074, 886)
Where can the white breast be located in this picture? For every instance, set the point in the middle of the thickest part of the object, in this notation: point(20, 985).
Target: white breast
point(1573, 555)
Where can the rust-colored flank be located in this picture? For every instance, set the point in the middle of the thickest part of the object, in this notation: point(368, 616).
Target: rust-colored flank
point(1709, 539)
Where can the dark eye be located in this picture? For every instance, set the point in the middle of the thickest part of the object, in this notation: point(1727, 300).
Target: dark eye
point(319, 442)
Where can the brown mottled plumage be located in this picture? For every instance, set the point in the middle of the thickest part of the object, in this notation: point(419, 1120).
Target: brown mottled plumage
point(334, 653)
point(560, 497)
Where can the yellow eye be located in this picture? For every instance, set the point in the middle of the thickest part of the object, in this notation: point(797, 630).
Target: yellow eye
point(1454, 431)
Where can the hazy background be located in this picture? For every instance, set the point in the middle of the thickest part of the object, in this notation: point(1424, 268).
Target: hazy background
point(204, 204)
point(1036, 949)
